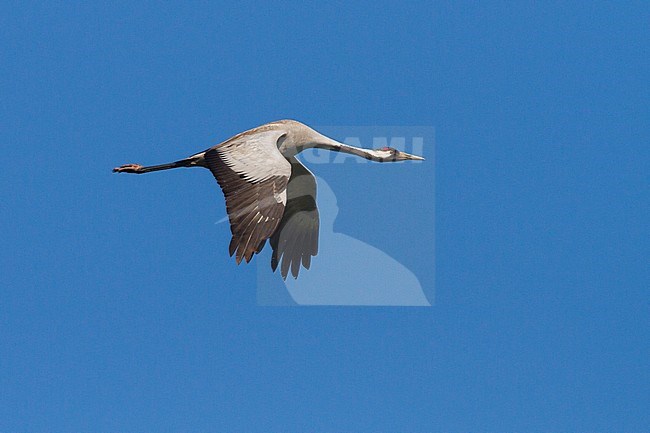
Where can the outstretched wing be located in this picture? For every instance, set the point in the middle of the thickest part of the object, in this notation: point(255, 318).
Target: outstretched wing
point(253, 175)
point(296, 239)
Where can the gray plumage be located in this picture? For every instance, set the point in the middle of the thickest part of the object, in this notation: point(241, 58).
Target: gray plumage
point(269, 193)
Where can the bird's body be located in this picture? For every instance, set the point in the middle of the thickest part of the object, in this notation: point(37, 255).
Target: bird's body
point(269, 193)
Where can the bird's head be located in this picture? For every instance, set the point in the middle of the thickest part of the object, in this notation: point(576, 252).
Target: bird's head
point(389, 154)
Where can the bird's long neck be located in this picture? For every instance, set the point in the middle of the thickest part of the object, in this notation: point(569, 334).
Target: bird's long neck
point(335, 146)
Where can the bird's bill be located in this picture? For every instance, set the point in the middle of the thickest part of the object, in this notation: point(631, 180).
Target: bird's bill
point(403, 156)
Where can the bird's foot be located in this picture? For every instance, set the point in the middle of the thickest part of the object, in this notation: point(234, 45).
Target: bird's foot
point(128, 168)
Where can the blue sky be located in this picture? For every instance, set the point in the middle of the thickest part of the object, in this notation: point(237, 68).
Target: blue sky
point(120, 310)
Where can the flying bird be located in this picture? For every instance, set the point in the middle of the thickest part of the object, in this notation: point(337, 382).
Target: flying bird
point(269, 193)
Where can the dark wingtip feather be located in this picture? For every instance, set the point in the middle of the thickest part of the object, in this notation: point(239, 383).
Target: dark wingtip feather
point(232, 247)
point(295, 267)
point(260, 247)
point(239, 254)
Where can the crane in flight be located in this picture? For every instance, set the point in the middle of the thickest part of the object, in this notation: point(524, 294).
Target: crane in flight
point(269, 193)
